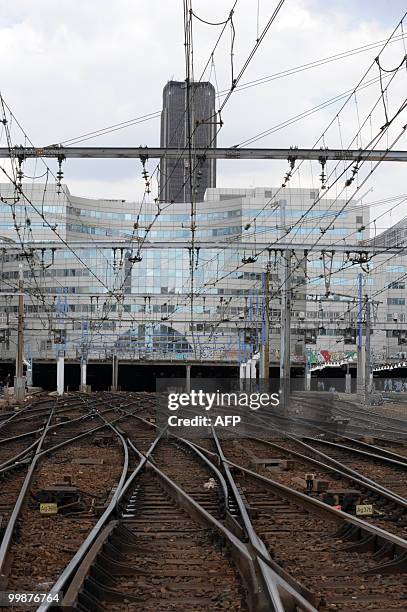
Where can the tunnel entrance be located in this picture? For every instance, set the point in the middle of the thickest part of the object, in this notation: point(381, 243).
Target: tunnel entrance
point(142, 377)
point(132, 376)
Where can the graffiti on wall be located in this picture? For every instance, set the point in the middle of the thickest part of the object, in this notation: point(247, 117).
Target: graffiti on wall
point(323, 356)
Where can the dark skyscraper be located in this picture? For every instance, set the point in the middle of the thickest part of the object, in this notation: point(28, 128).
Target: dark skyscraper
point(174, 174)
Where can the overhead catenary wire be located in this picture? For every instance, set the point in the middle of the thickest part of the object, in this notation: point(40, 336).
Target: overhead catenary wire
point(348, 98)
point(140, 245)
point(48, 170)
point(260, 81)
point(240, 266)
point(346, 101)
point(338, 114)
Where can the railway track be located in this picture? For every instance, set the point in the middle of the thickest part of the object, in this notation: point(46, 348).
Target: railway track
point(199, 480)
point(343, 573)
point(372, 416)
point(157, 557)
point(368, 462)
point(341, 568)
point(185, 526)
point(313, 413)
point(399, 447)
point(388, 472)
point(191, 522)
point(72, 479)
point(288, 465)
point(162, 551)
point(378, 446)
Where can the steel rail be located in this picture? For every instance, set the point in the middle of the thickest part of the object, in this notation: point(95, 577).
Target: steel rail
point(195, 450)
point(59, 445)
point(264, 593)
point(353, 428)
point(34, 412)
point(15, 415)
point(378, 533)
point(391, 424)
point(211, 466)
point(262, 562)
point(6, 541)
point(358, 451)
point(240, 553)
point(315, 505)
point(325, 429)
point(383, 451)
point(19, 436)
point(273, 574)
point(14, 461)
point(204, 459)
point(267, 426)
point(80, 555)
point(144, 458)
point(281, 587)
point(356, 413)
point(24, 452)
point(389, 496)
point(33, 431)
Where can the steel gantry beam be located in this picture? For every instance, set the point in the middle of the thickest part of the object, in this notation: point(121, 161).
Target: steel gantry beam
point(260, 247)
point(207, 153)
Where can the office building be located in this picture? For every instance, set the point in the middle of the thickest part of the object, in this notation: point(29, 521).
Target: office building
point(175, 184)
point(94, 301)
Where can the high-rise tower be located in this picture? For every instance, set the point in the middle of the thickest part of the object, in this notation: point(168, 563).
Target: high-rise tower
point(174, 174)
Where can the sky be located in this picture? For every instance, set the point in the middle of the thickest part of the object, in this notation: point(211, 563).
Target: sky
point(67, 68)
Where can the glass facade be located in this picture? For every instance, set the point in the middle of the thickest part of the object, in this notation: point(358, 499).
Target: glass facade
point(173, 303)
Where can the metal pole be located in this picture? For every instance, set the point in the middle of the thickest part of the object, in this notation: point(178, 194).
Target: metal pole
point(265, 343)
point(252, 363)
point(285, 332)
point(367, 352)
point(115, 372)
point(83, 386)
point(29, 364)
point(19, 382)
point(360, 372)
point(20, 332)
point(188, 378)
point(307, 372)
point(60, 374)
point(348, 380)
point(8, 327)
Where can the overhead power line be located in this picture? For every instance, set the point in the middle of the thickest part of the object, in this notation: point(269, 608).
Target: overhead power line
point(247, 85)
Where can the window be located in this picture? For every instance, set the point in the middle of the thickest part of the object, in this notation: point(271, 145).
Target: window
point(359, 220)
point(401, 317)
point(396, 285)
point(229, 196)
point(396, 301)
point(395, 268)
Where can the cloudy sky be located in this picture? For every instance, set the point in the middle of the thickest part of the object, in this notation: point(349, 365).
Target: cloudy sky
point(68, 68)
